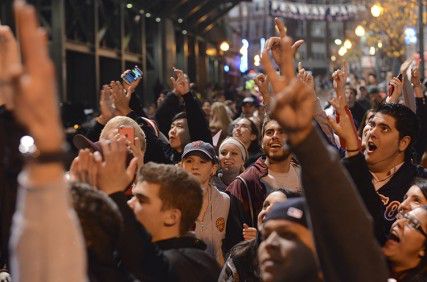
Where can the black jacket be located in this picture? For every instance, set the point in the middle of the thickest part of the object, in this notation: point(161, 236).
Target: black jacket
point(175, 259)
point(382, 204)
point(197, 124)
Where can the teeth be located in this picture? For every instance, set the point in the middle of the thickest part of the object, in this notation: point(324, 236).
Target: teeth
point(393, 237)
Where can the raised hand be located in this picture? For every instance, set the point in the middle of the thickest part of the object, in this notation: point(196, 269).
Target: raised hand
point(416, 81)
point(415, 75)
point(397, 90)
point(84, 167)
point(106, 108)
point(273, 43)
point(344, 126)
point(181, 84)
point(340, 78)
point(249, 233)
point(113, 175)
point(10, 65)
point(293, 105)
point(36, 105)
point(130, 88)
point(261, 80)
point(121, 98)
point(304, 76)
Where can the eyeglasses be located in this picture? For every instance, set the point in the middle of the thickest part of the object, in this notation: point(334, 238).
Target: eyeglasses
point(412, 221)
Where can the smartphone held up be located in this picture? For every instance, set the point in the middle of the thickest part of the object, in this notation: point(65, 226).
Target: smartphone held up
point(132, 75)
point(128, 133)
point(391, 87)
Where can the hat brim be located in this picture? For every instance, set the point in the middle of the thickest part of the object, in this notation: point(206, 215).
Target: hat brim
point(203, 152)
point(82, 142)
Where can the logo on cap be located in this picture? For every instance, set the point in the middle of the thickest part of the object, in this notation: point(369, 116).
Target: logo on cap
point(295, 213)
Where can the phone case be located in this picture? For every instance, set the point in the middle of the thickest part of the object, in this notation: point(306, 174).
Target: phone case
point(128, 133)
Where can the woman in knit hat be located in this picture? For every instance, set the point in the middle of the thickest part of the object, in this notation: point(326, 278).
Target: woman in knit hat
point(232, 157)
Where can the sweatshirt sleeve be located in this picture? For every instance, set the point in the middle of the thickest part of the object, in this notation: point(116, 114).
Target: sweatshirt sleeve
point(197, 123)
point(46, 242)
point(357, 168)
point(166, 111)
point(342, 228)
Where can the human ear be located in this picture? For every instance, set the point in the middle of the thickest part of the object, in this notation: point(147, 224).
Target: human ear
point(253, 137)
point(214, 169)
point(421, 253)
point(172, 217)
point(404, 143)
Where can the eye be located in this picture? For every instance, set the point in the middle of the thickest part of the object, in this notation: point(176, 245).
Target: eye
point(264, 234)
point(234, 154)
point(265, 205)
point(287, 234)
point(188, 161)
point(385, 129)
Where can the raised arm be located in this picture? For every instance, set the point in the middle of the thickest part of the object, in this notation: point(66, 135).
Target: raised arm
point(198, 126)
point(44, 227)
point(330, 194)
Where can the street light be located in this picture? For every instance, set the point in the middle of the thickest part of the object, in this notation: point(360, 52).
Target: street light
point(380, 44)
point(257, 60)
point(347, 44)
point(342, 51)
point(377, 10)
point(372, 51)
point(224, 46)
point(338, 41)
point(360, 31)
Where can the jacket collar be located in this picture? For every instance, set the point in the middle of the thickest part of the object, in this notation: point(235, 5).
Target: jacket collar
point(186, 241)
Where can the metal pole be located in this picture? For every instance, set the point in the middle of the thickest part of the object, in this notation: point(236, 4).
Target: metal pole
point(421, 37)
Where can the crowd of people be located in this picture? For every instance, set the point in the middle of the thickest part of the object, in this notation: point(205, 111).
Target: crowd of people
point(279, 188)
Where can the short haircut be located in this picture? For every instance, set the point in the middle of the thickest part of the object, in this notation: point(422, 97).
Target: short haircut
point(118, 121)
point(266, 120)
point(180, 115)
point(178, 190)
point(406, 123)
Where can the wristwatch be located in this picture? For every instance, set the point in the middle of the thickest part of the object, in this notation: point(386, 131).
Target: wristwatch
point(59, 156)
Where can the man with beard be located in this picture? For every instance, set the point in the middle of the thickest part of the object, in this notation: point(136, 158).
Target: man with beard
point(275, 170)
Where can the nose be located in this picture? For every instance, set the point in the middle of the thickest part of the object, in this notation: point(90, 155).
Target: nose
point(404, 206)
point(373, 131)
point(172, 131)
point(131, 202)
point(276, 134)
point(400, 222)
point(272, 242)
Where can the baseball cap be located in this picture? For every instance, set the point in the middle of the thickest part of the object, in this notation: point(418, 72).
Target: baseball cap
point(292, 209)
point(82, 142)
point(248, 100)
point(202, 147)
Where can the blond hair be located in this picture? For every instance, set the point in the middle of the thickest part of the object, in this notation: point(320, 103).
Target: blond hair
point(122, 121)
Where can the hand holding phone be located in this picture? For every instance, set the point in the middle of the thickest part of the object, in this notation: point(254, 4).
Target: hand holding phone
point(391, 87)
point(132, 75)
point(128, 133)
